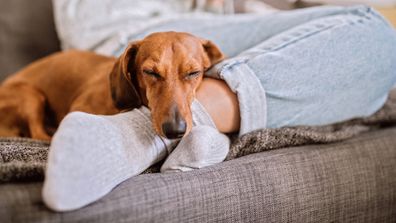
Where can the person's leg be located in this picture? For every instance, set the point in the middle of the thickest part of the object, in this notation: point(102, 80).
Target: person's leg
point(326, 70)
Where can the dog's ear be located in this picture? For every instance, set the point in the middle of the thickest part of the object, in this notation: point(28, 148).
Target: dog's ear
point(123, 83)
point(213, 52)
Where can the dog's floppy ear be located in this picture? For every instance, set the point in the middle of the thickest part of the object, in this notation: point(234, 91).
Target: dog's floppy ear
point(123, 83)
point(213, 52)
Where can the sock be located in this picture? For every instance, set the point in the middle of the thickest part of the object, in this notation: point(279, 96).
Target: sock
point(91, 154)
point(203, 146)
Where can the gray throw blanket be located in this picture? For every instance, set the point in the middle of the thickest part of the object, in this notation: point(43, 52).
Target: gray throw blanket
point(24, 159)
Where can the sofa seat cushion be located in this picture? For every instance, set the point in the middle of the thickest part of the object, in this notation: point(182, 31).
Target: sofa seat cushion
point(352, 180)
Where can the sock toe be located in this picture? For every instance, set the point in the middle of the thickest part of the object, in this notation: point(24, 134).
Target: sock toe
point(203, 146)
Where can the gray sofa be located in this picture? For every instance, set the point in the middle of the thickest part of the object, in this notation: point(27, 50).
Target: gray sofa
point(349, 181)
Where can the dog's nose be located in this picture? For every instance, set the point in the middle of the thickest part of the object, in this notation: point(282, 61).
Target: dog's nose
point(175, 129)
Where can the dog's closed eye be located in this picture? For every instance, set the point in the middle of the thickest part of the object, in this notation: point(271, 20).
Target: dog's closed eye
point(152, 74)
point(193, 74)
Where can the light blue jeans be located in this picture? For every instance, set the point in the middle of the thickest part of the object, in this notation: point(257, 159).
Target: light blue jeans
point(317, 66)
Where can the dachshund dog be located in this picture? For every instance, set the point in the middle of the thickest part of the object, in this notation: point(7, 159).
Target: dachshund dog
point(161, 71)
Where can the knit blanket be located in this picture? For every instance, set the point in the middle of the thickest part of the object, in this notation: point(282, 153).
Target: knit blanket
point(23, 159)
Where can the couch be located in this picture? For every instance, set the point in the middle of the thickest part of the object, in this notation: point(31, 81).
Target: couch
point(348, 181)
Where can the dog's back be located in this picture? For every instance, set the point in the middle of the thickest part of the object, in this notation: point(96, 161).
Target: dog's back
point(59, 83)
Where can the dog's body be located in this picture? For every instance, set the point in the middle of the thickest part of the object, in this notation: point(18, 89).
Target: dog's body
point(162, 71)
point(53, 87)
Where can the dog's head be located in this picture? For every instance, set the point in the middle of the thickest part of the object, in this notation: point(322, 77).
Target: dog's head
point(163, 71)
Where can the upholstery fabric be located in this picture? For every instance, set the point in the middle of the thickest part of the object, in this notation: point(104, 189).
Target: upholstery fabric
point(349, 181)
point(27, 32)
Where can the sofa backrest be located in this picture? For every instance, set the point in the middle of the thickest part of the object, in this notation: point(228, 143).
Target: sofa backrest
point(27, 32)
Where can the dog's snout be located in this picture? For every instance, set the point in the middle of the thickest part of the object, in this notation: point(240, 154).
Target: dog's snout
point(174, 130)
point(175, 126)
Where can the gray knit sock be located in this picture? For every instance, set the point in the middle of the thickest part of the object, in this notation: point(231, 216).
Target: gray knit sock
point(91, 154)
point(203, 146)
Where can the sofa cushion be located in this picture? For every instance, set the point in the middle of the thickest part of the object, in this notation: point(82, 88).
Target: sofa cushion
point(27, 32)
point(349, 181)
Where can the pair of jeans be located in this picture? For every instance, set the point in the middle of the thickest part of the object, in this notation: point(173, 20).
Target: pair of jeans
point(305, 67)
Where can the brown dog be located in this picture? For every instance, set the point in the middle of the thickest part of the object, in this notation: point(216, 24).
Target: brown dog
point(162, 71)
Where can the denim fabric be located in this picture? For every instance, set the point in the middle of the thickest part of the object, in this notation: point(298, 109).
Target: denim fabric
point(315, 66)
